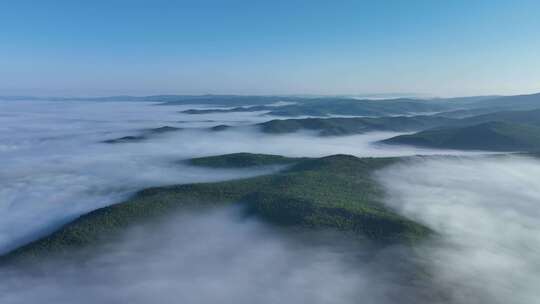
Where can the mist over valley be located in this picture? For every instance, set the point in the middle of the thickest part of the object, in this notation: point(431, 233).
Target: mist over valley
point(117, 201)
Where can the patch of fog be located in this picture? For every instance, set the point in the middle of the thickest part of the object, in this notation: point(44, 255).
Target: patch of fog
point(487, 211)
point(203, 142)
point(418, 97)
point(214, 257)
point(37, 197)
point(281, 103)
point(231, 118)
point(55, 166)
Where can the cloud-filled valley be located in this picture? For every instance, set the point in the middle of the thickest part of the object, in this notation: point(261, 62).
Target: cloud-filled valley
point(487, 212)
point(483, 209)
point(269, 152)
point(55, 166)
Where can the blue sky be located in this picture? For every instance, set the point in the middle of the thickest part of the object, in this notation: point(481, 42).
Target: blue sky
point(443, 48)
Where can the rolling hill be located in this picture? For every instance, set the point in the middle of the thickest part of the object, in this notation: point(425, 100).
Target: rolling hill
point(331, 192)
point(460, 107)
point(522, 117)
point(340, 106)
point(515, 102)
point(354, 125)
point(242, 160)
point(143, 135)
point(498, 131)
point(489, 136)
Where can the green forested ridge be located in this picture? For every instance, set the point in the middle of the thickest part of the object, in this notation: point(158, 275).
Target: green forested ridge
point(328, 105)
point(358, 125)
point(491, 136)
point(355, 125)
point(498, 131)
point(347, 106)
point(235, 109)
point(515, 102)
point(335, 191)
point(325, 106)
point(531, 117)
point(144, 134)
point(241, 160)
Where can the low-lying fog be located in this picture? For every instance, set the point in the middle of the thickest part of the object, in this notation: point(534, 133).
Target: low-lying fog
point(486, 211)
point(209, 257)
point(55, 166)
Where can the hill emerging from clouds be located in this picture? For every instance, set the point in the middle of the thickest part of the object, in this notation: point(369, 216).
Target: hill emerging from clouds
point(489, 136)
point(331, 192)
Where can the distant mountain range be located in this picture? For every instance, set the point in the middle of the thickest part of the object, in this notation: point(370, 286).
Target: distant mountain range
point(489, 136)
point(331, 105)
point(328, 106)
point(499, 131)
point(497, 123)
point(219, 100)
point(353, 125)
point(339, 106)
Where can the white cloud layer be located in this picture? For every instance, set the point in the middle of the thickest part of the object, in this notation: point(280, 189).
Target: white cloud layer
point(210, 257)
point(54, 166)
point(487, 211)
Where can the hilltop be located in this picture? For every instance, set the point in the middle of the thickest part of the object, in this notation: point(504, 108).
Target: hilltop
point(353, 125)
point(335, 192)
point(491, 136)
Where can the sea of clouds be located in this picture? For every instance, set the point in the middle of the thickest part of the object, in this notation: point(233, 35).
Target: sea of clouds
point(56, 167)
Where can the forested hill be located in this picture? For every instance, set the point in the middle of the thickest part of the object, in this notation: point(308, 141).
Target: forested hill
point(335, 192)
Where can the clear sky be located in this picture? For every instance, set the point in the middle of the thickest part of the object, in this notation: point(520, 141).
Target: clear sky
point(109, 47)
